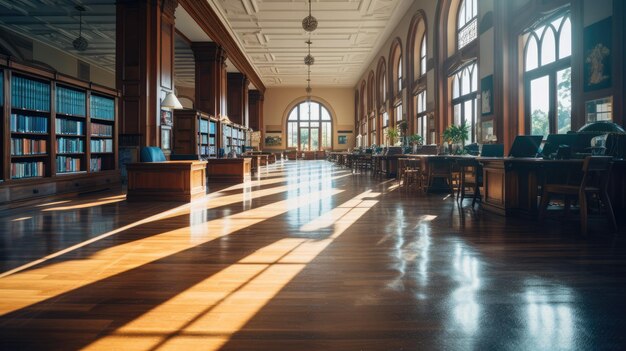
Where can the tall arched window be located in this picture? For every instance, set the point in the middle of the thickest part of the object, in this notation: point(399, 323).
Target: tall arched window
point(467, 22)
point(309, 127)
point(547, 76)
point(464, 102)
point(421, 119)
point(423, 56)
point(399, 77)
point(371, 115)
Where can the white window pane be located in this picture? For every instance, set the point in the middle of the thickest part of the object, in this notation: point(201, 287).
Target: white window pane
point(462, 18)
point(532, 54)
point(325, 114)
point(465, 82)
point(548, 47)
point(564, 102)
point(474, 78)
point(315, 111)
point(540, 106)
point(294, 114)
point(457, 114)
point(565, 40)
point(455, 87)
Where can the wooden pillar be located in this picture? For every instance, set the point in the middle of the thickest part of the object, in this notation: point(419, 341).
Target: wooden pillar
point(237, 98)
point(144, 65)
point(255, 110)
point(210, 78)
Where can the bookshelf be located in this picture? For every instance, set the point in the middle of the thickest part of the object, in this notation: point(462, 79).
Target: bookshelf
point(194, 134)
point(233, 136)
point(59, 134)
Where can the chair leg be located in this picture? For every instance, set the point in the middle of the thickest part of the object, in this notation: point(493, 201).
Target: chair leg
point(543, 207)
point(476, 193)
point(607, 202)
point(582, 199)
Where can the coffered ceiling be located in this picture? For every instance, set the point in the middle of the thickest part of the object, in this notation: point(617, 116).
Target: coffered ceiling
point(270, 33)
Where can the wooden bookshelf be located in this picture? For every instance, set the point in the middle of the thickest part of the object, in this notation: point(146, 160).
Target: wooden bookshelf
point(232, 136)
point(195, 134)
point(57, 131)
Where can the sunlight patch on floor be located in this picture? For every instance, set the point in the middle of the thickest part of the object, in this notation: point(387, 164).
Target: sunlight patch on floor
point(226, 308)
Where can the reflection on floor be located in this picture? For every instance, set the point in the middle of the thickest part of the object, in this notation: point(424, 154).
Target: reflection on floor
point(305, 257)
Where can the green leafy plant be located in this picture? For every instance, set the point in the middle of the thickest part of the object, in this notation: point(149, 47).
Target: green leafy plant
point(416, 139)
point(392, 135)
point(456, 134)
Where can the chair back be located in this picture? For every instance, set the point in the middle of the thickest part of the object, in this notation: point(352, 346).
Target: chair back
point(596, 171)
point(151, 154)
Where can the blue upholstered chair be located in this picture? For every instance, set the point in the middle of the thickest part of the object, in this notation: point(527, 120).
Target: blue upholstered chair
point(151, 154)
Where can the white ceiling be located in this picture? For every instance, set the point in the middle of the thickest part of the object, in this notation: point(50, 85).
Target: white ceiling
point(349, 34)
point(270, 33)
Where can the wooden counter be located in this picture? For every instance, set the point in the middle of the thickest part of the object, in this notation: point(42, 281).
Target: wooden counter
point(166, 181)
point(229, 170)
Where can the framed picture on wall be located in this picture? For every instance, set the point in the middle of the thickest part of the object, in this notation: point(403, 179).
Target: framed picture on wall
point(166, 138)
point(597, 60)
point(486, 95)
point(273, 138)
point(342, 139)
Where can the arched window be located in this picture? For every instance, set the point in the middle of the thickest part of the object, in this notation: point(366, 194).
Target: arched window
point(464, 102)
point(309, 127)
point(371, 115)
point(423, 56)
point(399, 70)
point(421, 119)
point(547, 76)
point(467, 23)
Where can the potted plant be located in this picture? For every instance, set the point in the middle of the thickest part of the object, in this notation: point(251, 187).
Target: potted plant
point(456, 135)
point(392, 135)
point(415, 140)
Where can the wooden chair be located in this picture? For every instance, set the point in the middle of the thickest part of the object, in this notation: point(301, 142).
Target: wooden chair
point(470, 177)
point(440, 168)
point(413, 174)
point(595, 181)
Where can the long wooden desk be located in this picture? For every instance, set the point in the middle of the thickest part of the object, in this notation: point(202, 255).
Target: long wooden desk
point(229, 170)
point(511, 185)
point(166, 181)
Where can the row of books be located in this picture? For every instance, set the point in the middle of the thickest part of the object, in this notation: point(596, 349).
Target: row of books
point(23, 146)
point(102, 107)
point(27, 169)
point(28, 124)
point(101, 130)
point(70, 145)
point(70, 102)
point(30, 94)
point(102, 145)
point(67, 164)
point(204, 126)
point(68, 126)
point(207, 150)
point(95, 164)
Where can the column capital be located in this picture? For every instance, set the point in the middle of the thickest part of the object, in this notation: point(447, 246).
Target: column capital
point(208, 51)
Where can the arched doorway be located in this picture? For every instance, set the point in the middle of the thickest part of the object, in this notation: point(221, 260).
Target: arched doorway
point(309, 127)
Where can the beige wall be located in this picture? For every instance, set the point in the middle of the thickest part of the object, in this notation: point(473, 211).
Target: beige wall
point(340, 101)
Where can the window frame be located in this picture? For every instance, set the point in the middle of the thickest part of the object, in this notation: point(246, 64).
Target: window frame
point(320, 126)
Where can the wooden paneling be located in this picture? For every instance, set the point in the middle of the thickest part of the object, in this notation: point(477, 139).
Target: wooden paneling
point(166, 181)
point(237, 98)
point(210, 79)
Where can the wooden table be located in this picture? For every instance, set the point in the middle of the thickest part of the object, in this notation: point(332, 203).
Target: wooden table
point(229, 170)
point(511, 185)
point(166, 181)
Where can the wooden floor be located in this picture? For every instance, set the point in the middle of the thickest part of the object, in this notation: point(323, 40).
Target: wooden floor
point(309, 257)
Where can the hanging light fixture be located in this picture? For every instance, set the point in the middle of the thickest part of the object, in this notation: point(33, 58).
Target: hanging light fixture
point(309, 23)
point(80, 43)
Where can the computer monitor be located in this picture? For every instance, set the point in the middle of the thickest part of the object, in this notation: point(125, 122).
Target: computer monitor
point(525, 146)
point(555, 140)
point(492, 150)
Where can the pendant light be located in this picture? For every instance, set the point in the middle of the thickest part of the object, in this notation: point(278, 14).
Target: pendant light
point(80, 43)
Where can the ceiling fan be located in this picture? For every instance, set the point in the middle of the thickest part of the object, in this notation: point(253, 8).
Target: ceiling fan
point(80, 43)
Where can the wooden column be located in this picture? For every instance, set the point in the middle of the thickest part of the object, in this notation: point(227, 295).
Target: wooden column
point(255, 110)
point(237, 98)
point(210, 77)
point(144, 65)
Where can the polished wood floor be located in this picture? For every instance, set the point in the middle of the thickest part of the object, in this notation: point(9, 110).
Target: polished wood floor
point(308, 257)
